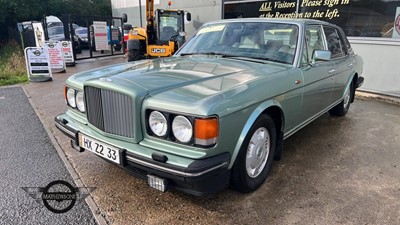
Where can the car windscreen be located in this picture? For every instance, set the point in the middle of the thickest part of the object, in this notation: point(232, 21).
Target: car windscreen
point(53, 31)
point(81, 31)
point(260, 40)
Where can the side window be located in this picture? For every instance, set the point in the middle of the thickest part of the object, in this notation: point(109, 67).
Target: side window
point(304, 57)
point(314, 41)
point(335, 46)
point(345, 43)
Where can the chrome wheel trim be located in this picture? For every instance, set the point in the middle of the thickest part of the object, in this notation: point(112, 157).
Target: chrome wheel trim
point(257, 152)
point(346, 100)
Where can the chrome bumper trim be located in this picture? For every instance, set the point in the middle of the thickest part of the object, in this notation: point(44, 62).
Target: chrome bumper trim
point(168, 170)
point(65, 130)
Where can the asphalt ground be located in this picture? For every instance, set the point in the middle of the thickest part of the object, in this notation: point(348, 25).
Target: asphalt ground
point(29, 159)
point(334, 171)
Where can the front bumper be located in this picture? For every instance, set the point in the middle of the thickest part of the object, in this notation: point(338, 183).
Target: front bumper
point(200, 177)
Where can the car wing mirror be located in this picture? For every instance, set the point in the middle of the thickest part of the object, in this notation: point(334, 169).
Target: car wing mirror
point(321, 55)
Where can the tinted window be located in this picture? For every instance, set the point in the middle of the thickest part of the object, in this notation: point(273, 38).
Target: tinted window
point(343, 43)
point(345, 40)
point(333, 42)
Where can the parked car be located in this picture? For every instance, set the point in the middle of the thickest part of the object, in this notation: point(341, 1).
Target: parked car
point(217, 112)
point(56, 33)
point(82, 34)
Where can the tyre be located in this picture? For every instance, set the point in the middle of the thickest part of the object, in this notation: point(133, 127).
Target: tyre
point(133, 55)
point(255, 157)
point(117, 47)
point(78, 50)
point(342, 108)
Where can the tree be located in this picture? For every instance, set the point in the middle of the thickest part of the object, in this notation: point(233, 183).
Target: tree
point(89, 7)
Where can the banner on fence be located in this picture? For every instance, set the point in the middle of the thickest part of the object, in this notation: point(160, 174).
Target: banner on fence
point(100, 35)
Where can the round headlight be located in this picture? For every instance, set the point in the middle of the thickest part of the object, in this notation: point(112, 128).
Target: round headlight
point(71, 97)
point(158, 123)
point(182, 129)
point(80, 102)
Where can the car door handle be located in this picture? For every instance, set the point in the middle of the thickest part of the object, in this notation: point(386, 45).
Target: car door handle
point(350, 65)
point(331, 71)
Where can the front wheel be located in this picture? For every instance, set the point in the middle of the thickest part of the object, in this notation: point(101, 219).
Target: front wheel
point(342, 108)
point(255, 157)
point(133, 55)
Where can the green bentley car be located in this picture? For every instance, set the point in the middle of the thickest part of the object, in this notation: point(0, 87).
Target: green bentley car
point(216, 113)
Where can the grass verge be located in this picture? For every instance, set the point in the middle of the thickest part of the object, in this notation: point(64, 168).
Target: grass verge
point(12, 64)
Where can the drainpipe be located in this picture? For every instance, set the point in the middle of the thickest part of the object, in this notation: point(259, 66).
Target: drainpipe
point(140, 13)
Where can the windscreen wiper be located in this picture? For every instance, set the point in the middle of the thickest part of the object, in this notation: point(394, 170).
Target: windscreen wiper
point(246, 58)
point(250, 58)
point(223, 55)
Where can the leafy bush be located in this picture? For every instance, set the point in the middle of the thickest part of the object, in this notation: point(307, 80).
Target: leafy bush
point(12, 64)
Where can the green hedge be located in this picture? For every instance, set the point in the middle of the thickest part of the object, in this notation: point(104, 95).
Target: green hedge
point(12, 64)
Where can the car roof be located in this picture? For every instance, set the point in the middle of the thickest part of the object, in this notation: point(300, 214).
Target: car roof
point(276, 20)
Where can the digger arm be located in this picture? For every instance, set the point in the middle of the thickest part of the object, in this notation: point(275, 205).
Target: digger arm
point(149, 11)
point(150, 28)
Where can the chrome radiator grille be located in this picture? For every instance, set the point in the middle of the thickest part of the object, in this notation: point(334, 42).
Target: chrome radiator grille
point(110, 111)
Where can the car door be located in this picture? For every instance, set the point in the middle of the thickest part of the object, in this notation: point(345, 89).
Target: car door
point(318, 81)
point(342, 61)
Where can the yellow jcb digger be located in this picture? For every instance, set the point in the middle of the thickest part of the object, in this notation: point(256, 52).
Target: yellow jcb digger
point(163, 35)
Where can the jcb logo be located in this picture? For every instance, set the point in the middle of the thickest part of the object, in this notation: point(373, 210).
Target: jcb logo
point(158, 50)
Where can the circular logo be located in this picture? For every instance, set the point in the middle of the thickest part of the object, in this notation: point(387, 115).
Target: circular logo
point(37, 53)
point(397, 24)
point(65, 44)
point(59, 196)
point(51, 45)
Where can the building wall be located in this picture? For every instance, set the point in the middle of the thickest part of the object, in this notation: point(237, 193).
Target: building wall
point(202, 11)
point(381, 65)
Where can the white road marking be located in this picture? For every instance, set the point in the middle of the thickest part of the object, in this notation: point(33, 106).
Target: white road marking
point(2, 97)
